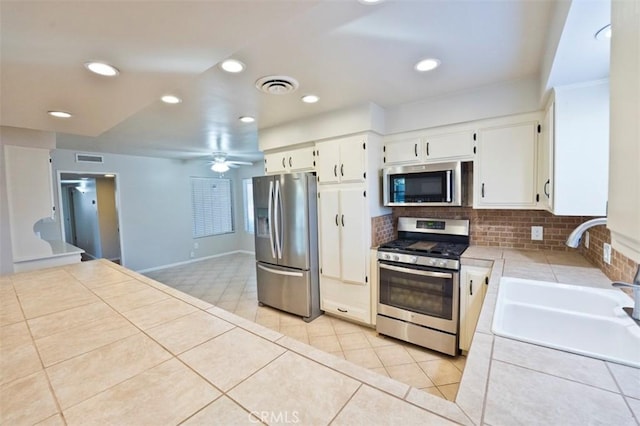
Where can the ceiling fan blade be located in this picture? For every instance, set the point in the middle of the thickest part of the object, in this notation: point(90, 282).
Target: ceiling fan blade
point(240, 163)
point(233, 166)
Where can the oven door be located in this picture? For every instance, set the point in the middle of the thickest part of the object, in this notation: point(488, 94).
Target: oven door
point(420, 295)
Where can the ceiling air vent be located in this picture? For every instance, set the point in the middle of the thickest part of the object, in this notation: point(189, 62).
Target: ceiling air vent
point(277, 84)
point(89, 158)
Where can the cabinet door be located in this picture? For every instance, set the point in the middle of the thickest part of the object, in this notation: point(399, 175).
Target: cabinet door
point(352, 159)
point(624, 173)
point(449, 146)
point(545, 160)
point(301, 159)
point(506, 166)
point(328, 162)
point(402, 152)
point(329, 235)
point(353, 246)
point(472, 292)
point(275, 163)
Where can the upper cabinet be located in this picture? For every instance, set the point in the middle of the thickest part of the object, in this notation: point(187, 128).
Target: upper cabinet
point(505, 167)
point(341, 160)
point(573, 152)
point(293, 160)
point(624, 151)
point(428, 147)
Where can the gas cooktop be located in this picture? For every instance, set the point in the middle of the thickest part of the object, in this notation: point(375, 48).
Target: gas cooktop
point(425, 247)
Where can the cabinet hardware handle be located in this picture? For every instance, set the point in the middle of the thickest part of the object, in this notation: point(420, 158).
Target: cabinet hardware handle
point(341, 169)
point(415, 149)
point(427, 148)
point(290, 162)
point(486, 280)
point(337, 220)
point(342, 310)
point(482, 191)
point(471, 287)
point(283, 164)
point(546, 187)
point(342, 220)
point(335, 170)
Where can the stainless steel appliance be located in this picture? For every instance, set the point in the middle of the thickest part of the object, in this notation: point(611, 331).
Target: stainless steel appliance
point(419, 282)
point(286, 240)
point(439, 184)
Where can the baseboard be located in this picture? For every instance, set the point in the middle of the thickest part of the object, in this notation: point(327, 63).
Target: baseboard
point(186, 262)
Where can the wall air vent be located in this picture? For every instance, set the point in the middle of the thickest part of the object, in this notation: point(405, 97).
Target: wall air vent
point(89, 158)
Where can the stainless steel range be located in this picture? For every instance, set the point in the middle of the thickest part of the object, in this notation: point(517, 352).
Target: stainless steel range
point(419, 282)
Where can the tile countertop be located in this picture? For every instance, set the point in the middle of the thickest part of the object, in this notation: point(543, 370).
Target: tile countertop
point(97, 343)
point(508, 382)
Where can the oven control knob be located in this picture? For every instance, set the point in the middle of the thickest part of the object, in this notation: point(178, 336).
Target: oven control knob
point(442, 263)
point(432, 262)
point(387, 256)
point(396, 257)
point(413, 259)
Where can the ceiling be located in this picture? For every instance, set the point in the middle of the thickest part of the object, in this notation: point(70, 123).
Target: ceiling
point(344, 51)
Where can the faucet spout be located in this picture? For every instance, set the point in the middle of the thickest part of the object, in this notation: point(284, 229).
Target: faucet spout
point(574, 238)
point(635, 285)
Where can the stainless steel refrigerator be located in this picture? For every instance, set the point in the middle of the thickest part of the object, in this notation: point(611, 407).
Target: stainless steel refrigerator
point(286, 237)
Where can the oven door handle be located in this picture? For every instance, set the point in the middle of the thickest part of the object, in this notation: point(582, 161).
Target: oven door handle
point(415, 271)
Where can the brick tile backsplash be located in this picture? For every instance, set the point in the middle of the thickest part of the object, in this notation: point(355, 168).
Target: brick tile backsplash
point(512, 229)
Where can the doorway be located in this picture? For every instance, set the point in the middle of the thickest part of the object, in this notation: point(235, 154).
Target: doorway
point(89, 214)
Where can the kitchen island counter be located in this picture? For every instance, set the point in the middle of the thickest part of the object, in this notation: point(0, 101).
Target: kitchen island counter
point(97, 343)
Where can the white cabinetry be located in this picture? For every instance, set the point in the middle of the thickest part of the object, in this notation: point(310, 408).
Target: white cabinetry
point(348, 196)
point(473, 287)
point(505, 167)
point(341, 160)
point(430, 146)
point(624, 155)
point(294, 160)
point(573, 151)
point(458, 145)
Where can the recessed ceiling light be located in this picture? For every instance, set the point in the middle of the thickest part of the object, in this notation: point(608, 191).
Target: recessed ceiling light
point(310, 99)
point(604, 33)
point(232, 65)
point(102, 68)
point(370, 1)
point(109, 175)
point(171, 99)
point(427, 64)
point(59, 114)
point(247, 119)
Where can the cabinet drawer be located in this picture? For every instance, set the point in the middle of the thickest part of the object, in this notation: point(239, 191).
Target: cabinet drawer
point(343, 310)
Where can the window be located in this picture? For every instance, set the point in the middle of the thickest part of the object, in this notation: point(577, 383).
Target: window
point(247, 195)
point(211, 206)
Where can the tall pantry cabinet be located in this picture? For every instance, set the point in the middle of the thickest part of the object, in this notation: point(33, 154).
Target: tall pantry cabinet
point(348, 197)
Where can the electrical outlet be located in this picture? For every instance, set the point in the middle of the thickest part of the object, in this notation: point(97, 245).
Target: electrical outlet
point(586, 239)
point(536, 233)
point(196, 245)
point(606, 253)
point(192, 254)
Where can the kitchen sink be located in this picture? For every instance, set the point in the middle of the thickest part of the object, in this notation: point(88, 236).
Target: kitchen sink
point(583, 320)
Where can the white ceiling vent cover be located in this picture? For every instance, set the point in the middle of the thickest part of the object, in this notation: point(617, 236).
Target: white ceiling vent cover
point(89, 158)
point(277, 84)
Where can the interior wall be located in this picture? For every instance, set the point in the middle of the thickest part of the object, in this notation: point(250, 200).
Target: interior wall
point(85, 210)
point(154, 207)
point(246, 240)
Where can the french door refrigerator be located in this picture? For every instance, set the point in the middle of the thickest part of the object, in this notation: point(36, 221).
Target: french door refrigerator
point(286, 243)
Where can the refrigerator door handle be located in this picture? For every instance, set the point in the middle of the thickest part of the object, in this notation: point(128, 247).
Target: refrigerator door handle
point(277, 206)
point(270, 218)
point(278, 272)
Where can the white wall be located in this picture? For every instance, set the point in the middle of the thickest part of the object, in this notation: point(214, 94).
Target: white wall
point(245, 240)
point(85, 210)
point(108, 218)
point(155, 207)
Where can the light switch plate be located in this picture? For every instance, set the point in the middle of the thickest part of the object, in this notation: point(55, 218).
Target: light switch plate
point(536, 233)
point(606, 253)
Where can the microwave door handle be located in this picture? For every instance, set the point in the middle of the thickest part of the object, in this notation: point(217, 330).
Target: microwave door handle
point(270, 219)
point(415, 271)
point(449, 186)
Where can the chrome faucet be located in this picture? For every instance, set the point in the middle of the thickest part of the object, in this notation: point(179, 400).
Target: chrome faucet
point(635, 285)
point(574, 238)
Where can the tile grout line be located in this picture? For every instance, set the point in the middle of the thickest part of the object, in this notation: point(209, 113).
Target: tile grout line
point(624, 396)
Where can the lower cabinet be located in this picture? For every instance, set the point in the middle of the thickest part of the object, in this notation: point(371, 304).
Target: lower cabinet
point(347, 300)
point(474, 281)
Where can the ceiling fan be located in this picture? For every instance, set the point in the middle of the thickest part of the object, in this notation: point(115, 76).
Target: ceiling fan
point(220, 164)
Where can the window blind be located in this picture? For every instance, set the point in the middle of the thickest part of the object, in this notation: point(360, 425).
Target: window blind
point(211, 206)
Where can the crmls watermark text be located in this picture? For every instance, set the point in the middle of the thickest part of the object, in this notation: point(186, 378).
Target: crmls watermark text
point(287, 417)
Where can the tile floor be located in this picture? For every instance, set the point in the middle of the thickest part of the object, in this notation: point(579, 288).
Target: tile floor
point(229, 282)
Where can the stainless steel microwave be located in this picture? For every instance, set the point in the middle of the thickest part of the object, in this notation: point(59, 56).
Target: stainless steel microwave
point(438, 184)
